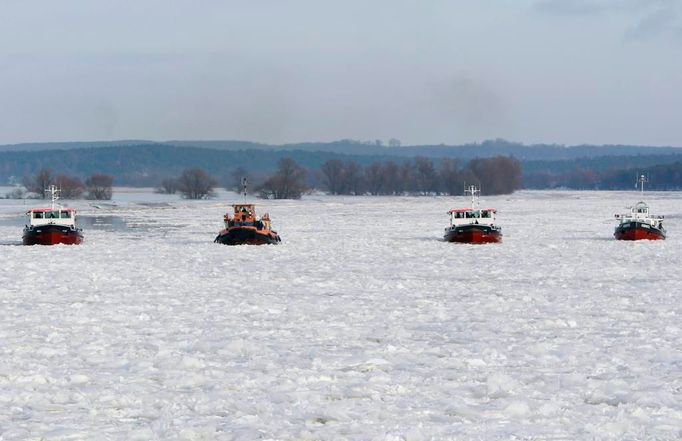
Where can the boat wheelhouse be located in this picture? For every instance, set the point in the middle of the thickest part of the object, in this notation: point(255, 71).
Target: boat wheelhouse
point(51, 226)
point(639, 223)
point(473, 224)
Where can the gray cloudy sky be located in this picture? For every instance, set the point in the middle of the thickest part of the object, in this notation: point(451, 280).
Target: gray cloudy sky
point(422, 71)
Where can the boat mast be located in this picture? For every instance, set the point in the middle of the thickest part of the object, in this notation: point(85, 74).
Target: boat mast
point(473, 191)
point(244, 188)
point(54, 194)
point(642, 180)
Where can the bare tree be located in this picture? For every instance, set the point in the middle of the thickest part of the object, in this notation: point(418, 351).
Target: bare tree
point(332, 175)
point(99, 186)
point(168, 186)
point(406, 181)
point(235, 181)
point(374, 179)
point(352, 177)
point(70, 186)
point(288, 182)
point(16, 193)
point(425, 177)
point(391, 178)
point(451, 179)
point(38, 184)
point(498, 175)
point(582, 179)
point(195, 183)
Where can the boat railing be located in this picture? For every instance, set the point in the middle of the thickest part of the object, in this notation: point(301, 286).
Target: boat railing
point(636, 217)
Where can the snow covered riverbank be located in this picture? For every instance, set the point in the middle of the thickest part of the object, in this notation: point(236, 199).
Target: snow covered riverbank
point(362, 324)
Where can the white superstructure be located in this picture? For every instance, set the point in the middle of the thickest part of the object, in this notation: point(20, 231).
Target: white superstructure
point(55, 215)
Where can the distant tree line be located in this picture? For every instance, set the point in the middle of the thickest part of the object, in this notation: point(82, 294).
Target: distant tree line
point(420, 176)
point(175, 150)
point(147, 164)
point(661, 177)
point(97, 186)
point(287, 182)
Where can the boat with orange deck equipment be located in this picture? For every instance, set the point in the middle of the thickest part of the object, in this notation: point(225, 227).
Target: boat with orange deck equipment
point(244, 227)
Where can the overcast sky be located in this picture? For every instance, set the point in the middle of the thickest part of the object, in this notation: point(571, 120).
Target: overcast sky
point(422, 71)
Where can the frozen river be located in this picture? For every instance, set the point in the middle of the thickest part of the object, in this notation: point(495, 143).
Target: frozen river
point(363, 324)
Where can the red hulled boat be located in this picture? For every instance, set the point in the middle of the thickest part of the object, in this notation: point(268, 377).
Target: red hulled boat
point(639, 224)
point(245, 228)
point(473, 225)
point(51, 226)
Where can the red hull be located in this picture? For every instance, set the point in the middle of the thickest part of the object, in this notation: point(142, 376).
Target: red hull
point(247, 236)
point(474, 236)
point(52, 238)
point(639, 233)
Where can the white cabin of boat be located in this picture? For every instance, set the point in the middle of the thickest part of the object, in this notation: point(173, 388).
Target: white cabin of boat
point(467, 216)
point(640, 213)
point(473, 214)
point(55, 215)
point(52, 216)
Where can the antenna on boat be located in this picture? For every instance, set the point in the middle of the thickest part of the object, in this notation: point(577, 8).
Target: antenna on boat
point(244, 187)
point(473, 191)
point(54, 193)
point(641, 180)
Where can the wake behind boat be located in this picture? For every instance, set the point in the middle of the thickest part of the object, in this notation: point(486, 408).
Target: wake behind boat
point(473, 225)
point(51, 226)
point(639, 223)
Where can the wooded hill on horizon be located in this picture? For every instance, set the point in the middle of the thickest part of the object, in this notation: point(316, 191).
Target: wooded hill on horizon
point(145, 163)
point(380, 148)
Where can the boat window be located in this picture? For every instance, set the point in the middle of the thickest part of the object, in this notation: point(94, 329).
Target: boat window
point(37, 215)
point(485, 213)
point(65, 215)
point(52, 214)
